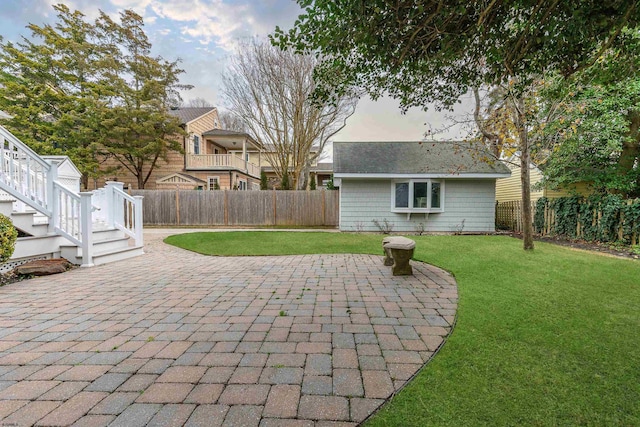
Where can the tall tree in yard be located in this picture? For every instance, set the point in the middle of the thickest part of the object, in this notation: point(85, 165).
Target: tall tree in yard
point(139, 131)
point(52, 87)
point(91, 90)
point(269, 90)
point(434, 51)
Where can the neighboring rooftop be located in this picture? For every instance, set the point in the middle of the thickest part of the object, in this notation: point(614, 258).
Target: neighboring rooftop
point(324, 166)
point(190, 113)
point(413, 157)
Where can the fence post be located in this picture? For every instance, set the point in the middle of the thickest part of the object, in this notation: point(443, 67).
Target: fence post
point(177, 207)
point(52, 200)
point(226, 208)
point(109, 203)
point(275, 208)
point(324, 212)
point(86, 227)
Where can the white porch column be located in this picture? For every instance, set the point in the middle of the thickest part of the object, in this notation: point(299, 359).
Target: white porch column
point(109, 205)
point(86, 229)
point(244, 153)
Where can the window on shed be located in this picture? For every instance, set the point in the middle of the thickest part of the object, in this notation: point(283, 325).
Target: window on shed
point(417, 195)
point(402, 195)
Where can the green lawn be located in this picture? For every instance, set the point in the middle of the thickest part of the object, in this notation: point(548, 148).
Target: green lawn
point(550, 337)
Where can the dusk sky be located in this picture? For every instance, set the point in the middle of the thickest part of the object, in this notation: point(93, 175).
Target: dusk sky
point(203, 34)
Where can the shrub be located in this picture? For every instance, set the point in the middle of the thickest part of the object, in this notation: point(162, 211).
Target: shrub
point(312, 183)
point(8, 237)
point(330, 185)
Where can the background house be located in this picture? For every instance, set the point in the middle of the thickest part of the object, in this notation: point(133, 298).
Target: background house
point(213, 157)
point(322, 171)
point(415, 186)
point(510, 189)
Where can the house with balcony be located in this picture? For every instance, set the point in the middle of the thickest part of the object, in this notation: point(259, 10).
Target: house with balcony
point(213, 158)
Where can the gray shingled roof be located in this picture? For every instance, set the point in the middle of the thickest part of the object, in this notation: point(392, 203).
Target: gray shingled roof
point(223, 132)
point(191, 113)
point(417, 157)
point(324, 166)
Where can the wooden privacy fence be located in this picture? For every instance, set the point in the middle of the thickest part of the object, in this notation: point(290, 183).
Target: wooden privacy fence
point(595, 218)
point(606, 218)
point(240, 208)
point(509, 215)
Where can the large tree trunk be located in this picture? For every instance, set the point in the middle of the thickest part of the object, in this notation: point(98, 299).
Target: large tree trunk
point(140, 177)
point(525, 179)
point(630, 153)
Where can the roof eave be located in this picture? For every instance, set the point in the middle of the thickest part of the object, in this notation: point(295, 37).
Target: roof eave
point(494, 175)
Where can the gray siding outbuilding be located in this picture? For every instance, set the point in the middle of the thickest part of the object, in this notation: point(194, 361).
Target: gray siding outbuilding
point(416, 186)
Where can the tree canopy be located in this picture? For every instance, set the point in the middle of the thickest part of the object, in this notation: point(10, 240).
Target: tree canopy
point(268, 90)
point(435, 51)
point(91, 90)
point(595, 138)
point(432, 51)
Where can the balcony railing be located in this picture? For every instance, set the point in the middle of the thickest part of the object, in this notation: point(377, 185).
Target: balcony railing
point(230, 161)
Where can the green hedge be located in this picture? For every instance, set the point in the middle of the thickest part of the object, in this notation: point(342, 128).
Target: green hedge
point(8, 237)
point(601, 218)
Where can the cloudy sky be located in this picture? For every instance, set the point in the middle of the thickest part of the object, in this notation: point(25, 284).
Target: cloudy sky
point(203, 33)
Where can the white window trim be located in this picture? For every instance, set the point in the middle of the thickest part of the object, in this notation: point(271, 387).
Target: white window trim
point(411, 209)
point(211, 180)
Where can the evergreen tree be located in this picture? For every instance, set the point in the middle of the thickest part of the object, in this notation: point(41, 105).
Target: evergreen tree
point(52, 87)
point(140, 132)
point(264, 183)
point(284, 183)
point(91, 90)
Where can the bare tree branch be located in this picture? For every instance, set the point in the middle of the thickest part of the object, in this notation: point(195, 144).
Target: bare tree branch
point(269, 91)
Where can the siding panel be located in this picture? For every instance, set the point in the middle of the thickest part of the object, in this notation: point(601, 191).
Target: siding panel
point(362, 201)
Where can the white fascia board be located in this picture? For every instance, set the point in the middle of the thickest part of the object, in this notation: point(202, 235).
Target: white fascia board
point(421, 176)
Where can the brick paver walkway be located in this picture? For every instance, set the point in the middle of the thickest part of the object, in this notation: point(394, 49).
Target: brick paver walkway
point(174, 338)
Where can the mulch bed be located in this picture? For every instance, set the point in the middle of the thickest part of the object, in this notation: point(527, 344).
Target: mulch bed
point(604, 248)
point(7, 278)
point(35, 268)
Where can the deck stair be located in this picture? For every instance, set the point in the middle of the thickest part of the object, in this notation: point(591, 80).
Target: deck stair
point(87, 228)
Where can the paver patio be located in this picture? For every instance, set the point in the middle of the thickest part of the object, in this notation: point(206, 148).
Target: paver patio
point(177, 338)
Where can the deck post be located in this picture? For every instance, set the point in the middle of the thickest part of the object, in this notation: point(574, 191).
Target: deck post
point(86, 227)
point(52, 200)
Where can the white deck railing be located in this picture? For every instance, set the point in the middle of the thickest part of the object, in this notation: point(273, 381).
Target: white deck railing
point(119, 210)
point(24, 174)
point(33, 181)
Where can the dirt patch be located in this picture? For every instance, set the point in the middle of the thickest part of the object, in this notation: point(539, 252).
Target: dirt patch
point(35, 268)
point(7, 278)
point(603, 248)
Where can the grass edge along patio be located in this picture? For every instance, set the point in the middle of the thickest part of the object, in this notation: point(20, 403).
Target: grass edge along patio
point(544, 338)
